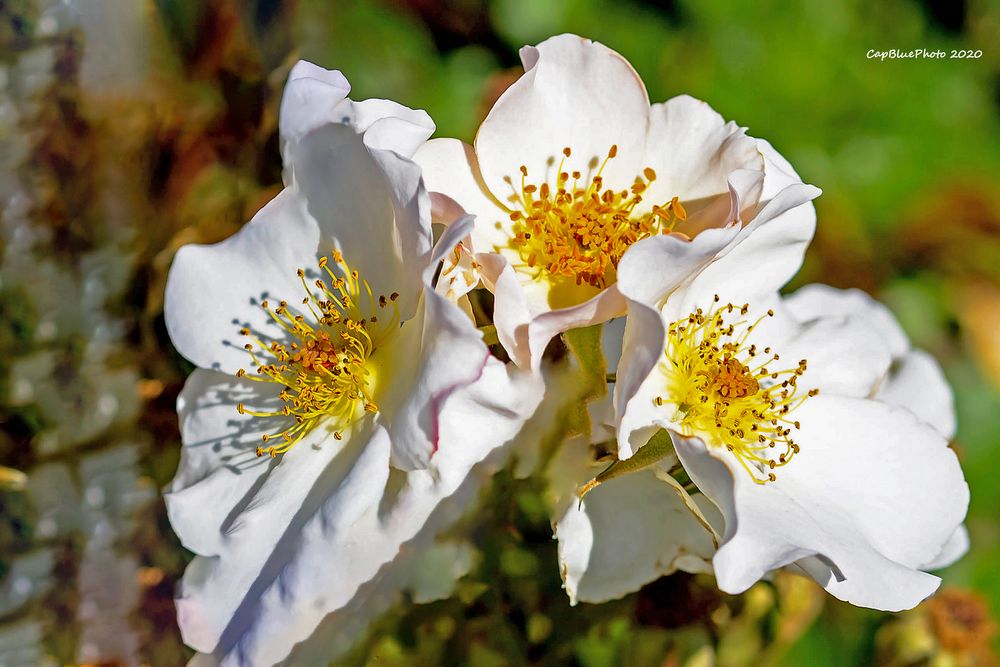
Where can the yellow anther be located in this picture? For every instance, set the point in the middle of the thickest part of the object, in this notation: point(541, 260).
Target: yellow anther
point(718, 391)
point(678, 209)
point(323, 364)
point(575, 233)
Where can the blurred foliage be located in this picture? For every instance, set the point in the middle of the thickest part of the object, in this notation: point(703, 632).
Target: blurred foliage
point(129, 129)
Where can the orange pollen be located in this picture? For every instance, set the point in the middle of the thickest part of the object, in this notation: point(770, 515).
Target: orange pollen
point(580, 230)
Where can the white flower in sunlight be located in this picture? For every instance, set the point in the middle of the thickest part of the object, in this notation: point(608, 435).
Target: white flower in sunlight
point(573, 165)
point(333, 410)
point(915, 380)
point(819, 438)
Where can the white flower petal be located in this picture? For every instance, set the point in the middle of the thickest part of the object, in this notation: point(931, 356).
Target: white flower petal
point(628, 532)
point(386, 125)
point(451, 173)
point(607, 304)
point(253, 523)
point(653, 268)
point(873, 492)
point(762, 257)
point(371, 204)
point(882, 584)
point(314, 97)
point(574, 93)
point(915, 381)
point(956, 547)
point(512, 307)
point(309, 495)
point(218, 462)
point(745, 187)
point(814, 301)
point(213, 290)
point(693, 151)
point(310, 97)
point(636, 383)
point(738, 204)
point(365, 525)
point(448, 355)
point(778, 172)
point(846, 356)
point(918, 384)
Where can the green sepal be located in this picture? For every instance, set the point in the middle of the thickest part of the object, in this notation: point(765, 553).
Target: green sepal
point(489, 332)
point(655, 450)
point(585, 346)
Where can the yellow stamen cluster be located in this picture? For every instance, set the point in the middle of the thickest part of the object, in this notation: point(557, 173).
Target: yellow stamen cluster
point(322, 361)
point(578, 231)
point(725, 391)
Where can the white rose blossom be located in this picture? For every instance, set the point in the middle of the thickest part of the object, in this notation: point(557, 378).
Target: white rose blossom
point(342, 411)
point(805, 434)
point(573, 165)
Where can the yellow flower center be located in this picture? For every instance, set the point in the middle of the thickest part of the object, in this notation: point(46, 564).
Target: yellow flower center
point(574, 234)
point(727, 392)
point(323, 363)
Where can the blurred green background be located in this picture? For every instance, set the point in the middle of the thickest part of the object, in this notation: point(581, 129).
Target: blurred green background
point(128, 128)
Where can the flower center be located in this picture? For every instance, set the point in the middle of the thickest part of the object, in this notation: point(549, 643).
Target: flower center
point(323, 363)
point(578, 231)
point(724, 391)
